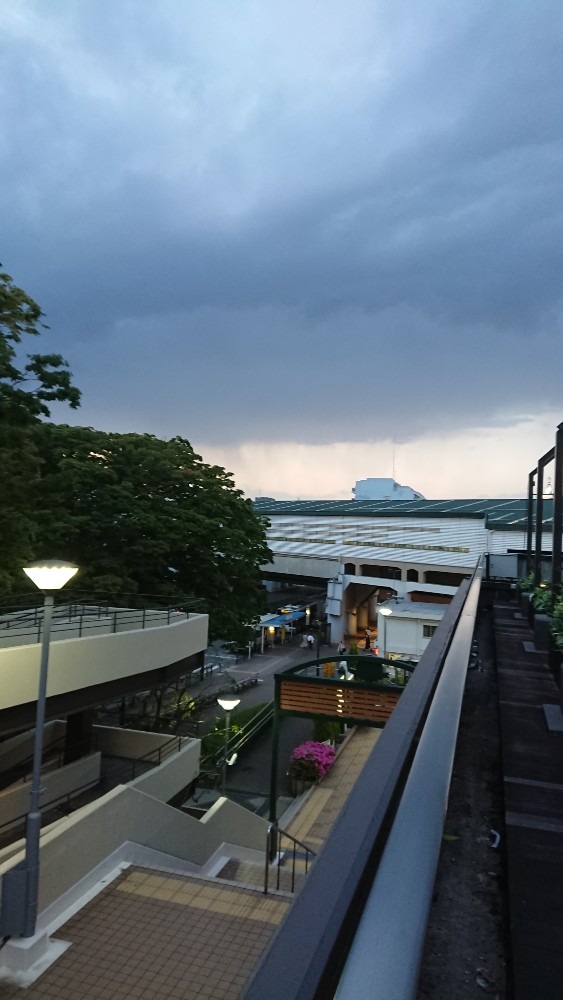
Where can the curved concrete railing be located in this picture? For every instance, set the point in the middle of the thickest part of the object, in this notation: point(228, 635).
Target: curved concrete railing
point(80, 663)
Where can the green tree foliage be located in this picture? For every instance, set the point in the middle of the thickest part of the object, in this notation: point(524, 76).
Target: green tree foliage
point(143, 515)
point(26, 389)
point(28, 383)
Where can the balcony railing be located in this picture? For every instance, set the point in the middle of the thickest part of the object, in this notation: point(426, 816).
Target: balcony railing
point(78, 620)
point(361, 916)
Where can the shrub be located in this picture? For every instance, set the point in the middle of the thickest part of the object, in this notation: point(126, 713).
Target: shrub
point(544, 598)
point(311, 761)
point(557, 623)
point(326, 730)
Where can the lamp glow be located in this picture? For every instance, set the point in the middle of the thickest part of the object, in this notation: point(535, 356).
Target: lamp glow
point(50, 574)
point(228, 703)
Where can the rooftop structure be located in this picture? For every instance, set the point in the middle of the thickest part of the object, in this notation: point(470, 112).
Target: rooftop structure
point(383, 489)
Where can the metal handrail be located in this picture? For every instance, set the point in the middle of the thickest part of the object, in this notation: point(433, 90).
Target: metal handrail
point(13, 774)
point(28, 601)
point(173, 745)
point(317, 934)
point(386, 933)
point(83, 617)
point(128, 770)
point(237, 741)
point(52, 804)
point(274, 851)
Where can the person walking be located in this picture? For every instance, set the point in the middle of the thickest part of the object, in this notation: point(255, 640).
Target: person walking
point(341, 647)
point(367, 636)
point(310, 641)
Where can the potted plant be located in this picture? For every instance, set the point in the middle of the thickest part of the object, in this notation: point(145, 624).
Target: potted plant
point(555, 655)
point(308, 763)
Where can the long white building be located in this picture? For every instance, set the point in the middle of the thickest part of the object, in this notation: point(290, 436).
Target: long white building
point(366, 550)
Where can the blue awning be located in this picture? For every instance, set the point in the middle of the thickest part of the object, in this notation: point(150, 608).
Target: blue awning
point(278, 620)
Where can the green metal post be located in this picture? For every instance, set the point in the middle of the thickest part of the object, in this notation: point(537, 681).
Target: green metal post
point(274, 769)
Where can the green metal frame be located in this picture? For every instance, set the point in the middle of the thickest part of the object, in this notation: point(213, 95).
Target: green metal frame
point(359, 685)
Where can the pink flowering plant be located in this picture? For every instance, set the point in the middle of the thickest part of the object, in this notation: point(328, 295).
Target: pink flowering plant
point(311, 761)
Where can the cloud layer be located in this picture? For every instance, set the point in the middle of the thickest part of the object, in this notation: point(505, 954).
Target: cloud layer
point(310, 222)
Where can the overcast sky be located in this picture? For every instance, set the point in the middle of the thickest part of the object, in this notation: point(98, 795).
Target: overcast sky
point(321, 240)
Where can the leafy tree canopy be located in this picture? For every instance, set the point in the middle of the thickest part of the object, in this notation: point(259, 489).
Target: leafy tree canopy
point(142, 515)
point(26, 389)
point(137, 514)
point(28, 383)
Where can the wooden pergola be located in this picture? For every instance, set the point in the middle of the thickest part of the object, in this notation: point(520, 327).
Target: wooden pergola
point(317, 689)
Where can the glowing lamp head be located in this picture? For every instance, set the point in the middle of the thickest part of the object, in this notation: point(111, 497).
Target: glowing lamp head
point(50, 574)
point(228, 703)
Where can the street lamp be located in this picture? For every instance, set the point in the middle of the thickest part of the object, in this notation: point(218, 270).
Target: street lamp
point(49, 576)
point(385, 612)
point(227, 704)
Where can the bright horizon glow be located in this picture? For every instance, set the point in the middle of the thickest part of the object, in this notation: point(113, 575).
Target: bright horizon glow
point(480, 462)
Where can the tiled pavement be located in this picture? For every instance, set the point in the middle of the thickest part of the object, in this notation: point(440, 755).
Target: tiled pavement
point(153, 935)
point(150, 935)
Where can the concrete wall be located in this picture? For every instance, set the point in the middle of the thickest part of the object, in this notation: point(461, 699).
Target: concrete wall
point(296, 565)
point(177, 771)
point(84, 840)
point(131, 743)
point(81, 663)
point(19, 748)
point(405, 635)
point(14, 801)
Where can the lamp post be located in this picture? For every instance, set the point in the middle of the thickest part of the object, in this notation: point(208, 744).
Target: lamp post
point(49, 576)
point(385, 612)
point(228, 704)
point(318, 628)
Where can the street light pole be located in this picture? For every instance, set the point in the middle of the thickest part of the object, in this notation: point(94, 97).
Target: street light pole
point(228, 704)
point(49, 576)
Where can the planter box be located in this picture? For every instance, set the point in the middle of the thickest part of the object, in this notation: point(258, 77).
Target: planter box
point(298, 786)
point(542, 632)
point(555, 661)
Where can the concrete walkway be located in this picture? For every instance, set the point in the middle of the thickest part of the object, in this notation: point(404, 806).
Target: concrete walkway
point(532, 762)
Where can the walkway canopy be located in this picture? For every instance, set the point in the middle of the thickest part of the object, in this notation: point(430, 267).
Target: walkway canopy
point(276, 621)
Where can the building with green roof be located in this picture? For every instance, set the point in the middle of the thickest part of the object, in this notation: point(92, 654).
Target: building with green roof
point(368, 550)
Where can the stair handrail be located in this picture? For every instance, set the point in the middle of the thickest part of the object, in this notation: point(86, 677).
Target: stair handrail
point(273, 839)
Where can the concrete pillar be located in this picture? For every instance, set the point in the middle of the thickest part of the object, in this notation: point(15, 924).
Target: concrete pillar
point(362, 616)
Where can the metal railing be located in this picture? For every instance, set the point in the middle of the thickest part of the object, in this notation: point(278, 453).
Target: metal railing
point(53, 757)
point(316, 939)
point(285, 860)
point(213, 762)
point(120, 776)
point(154, 758)
point(61, 800)
point(78, 618)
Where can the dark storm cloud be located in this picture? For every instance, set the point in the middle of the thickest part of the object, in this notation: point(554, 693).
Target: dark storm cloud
point(320, 221)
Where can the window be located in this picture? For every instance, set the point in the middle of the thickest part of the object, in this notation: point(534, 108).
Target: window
point(428, 631)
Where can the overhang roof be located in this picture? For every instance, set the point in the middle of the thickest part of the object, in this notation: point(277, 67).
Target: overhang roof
point(505, 515)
